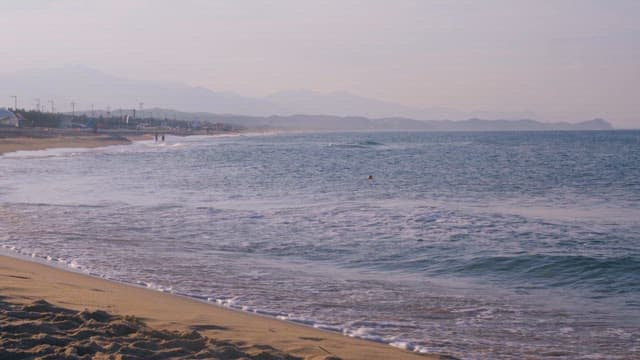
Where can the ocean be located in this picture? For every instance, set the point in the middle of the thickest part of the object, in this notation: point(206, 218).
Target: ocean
point(498, 245)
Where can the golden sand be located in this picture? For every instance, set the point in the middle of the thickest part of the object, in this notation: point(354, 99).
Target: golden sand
point(81, 141)
point(24, 282)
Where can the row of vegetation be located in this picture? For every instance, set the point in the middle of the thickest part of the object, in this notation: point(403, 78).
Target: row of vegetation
point(32, 118)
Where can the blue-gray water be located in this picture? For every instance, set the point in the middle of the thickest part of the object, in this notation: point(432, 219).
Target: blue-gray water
point(477, 245)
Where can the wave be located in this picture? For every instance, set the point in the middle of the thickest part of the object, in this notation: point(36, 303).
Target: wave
point(358, 145)
point(370, 143)
point(616, 275)
point(348, 146)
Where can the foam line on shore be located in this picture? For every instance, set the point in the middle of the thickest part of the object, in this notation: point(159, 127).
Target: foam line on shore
point(357, 333)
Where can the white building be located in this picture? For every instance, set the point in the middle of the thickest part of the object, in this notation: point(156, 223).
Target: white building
point(7, 118)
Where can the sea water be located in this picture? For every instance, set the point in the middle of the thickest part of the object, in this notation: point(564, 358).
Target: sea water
point(477, 245)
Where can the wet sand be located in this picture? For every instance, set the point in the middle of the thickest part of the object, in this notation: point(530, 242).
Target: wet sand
point(58, 312)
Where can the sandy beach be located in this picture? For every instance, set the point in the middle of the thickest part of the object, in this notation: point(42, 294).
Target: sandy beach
point(105, 318)
point(28, 140)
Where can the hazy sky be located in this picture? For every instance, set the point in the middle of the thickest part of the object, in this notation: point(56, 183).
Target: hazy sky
point(562, 60)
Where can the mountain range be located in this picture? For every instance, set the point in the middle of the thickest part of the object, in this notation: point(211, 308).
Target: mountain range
point(300, 109)
point(354, 123)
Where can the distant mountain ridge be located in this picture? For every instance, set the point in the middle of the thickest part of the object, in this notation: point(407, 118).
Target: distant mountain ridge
point(299, 109)
point(346, 104)
point(355, 123)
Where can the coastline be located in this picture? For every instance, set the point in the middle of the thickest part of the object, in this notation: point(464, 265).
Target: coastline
point(30, 140)
point(16, 139)
point(24, 281)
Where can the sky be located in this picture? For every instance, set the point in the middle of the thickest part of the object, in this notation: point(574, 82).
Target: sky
point(563, 60)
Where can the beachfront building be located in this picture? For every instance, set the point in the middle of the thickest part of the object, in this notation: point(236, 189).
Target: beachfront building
point(66, 121)
point(8, 118)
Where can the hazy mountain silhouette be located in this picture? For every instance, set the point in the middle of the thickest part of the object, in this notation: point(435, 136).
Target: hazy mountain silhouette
point(339, 110)
point(355, 123)
point(88, 86)
point(347, 104)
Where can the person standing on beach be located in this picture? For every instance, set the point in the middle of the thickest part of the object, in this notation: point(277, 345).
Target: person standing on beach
point(156, 137)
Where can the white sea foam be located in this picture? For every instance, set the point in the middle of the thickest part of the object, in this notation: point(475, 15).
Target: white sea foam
point(328, 327)
point(404, 345)
point(366, 333)
point(48, 153)
point(230, 303)
point(566, 330)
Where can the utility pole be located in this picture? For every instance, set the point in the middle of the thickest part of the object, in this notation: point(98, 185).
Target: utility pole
point(53, 109)
point(38, 105)
point(73, 109)
point(15, 102)
point(141, 112)
point(93, 113)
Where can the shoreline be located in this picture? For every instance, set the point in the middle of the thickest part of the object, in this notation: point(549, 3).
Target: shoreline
point(23, 281)
point(14, 140)
point(33, 140)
